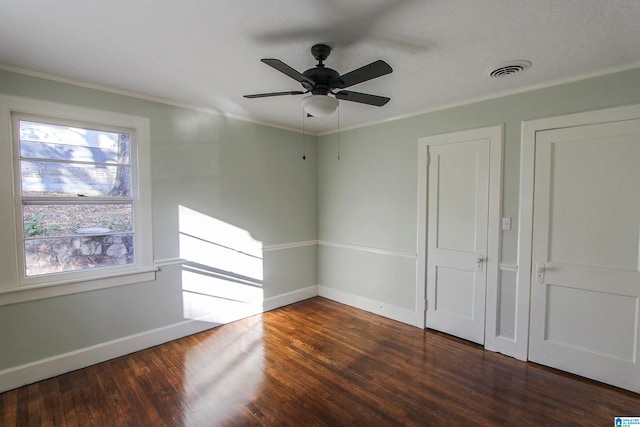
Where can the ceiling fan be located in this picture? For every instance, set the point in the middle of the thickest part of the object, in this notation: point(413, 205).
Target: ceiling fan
point(322, 82)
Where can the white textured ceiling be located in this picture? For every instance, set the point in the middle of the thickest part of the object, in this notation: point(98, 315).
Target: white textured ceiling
point(206, 53)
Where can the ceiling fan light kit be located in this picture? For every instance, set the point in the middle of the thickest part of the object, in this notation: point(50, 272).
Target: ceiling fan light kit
point(321, 82)
point(319, 105)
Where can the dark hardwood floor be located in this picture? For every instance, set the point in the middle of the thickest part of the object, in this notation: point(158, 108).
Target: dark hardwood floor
point(316, 363)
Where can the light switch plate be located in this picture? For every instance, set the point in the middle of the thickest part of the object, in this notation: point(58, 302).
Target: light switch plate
point(506, 223)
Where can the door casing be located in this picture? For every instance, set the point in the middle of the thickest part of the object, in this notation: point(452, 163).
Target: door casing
point(495, 135)
point(525, 220)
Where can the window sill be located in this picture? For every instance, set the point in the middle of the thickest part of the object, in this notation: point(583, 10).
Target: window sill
point(50, 290)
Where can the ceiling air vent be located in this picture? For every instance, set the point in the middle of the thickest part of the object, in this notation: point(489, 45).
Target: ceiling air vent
point(508, 68)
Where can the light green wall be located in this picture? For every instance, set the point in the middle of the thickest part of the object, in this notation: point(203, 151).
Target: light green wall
point(369, 196)
point(248, 175)
point(253, 177)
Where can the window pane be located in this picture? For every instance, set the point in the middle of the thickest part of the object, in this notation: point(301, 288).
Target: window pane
point(62, 254)
point(51, 219)
point(74, 179)
point(47, 141)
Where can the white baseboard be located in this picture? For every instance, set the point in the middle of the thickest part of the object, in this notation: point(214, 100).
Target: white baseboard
point(38, 370)
point(46, 368)
point(383, 309)
point(289, 298)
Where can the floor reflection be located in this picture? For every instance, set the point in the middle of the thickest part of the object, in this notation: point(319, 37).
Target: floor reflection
point(223, 373)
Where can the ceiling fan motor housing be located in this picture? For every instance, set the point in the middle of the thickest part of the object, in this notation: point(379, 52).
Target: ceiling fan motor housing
point(322, 76)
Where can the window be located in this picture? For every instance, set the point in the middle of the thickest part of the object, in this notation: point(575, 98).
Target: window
point(76, 196)
point(81, 197)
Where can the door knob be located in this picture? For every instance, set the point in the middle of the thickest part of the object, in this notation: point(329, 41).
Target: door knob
point(479, 263)
point(540, 269)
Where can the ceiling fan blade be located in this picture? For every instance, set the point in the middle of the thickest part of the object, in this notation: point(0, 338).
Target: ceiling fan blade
point(285, 69)
point(363, 98)
point(362, 74)
point(264, 95)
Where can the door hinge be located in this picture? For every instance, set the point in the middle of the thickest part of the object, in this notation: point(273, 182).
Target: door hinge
point(428, 159)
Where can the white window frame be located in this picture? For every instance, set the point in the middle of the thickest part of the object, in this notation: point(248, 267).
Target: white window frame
point(36, 287)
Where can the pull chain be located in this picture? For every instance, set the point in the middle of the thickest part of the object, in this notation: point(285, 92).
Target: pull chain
point(304, 137)
point(338, 132)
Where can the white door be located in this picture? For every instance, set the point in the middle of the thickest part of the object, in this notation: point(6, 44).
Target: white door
point(458, 203)
point(585, 288)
